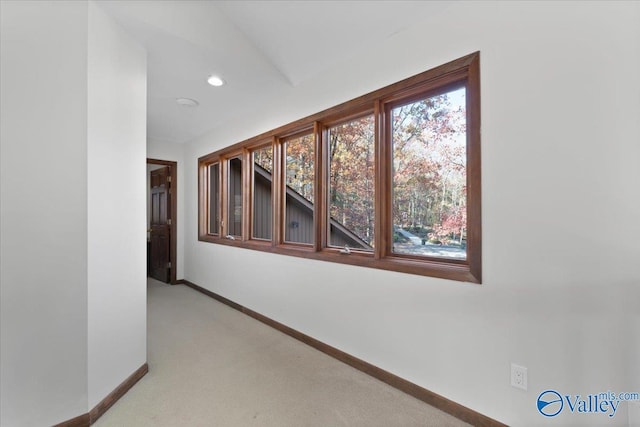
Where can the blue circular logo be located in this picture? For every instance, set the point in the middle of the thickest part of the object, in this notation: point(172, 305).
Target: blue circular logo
point(550, 403)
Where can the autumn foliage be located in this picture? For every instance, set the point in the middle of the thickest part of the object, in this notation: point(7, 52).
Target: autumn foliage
point(428, 178)
point(429, 167)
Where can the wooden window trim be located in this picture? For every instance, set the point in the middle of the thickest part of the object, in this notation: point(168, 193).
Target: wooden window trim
point(206, 174)
point(448, 83)
point(224, 194)
point(282, 142)
point(204, 233)
point(463, 71)
point(252, 149)
point(325, 185)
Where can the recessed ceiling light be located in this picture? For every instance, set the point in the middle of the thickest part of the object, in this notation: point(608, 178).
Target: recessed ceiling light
point(215, 81)
point(187, 102)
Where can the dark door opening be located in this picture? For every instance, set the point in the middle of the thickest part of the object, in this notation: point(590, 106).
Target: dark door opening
point(161, 240)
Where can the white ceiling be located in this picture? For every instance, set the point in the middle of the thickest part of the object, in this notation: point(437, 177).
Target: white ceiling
point(262, 49)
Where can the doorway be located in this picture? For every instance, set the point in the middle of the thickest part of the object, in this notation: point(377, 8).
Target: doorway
point(162, 219)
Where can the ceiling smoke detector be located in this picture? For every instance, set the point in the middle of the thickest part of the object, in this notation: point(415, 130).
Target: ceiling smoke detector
point(187, 102)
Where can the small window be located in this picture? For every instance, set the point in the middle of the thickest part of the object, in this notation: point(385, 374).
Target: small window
point(352, 184)
point(429, 138)
point(262, 193)
point(234, 192)
point(214, 198)
point(299, 189)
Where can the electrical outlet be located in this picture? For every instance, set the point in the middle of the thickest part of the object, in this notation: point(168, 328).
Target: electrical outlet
point(518, 376)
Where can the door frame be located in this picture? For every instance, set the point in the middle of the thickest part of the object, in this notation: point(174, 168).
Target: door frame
point(173, 166)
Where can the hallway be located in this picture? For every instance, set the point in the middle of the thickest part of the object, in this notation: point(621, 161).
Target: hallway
point(210, 365)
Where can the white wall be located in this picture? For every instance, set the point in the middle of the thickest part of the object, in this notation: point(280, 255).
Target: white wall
point(166, 150)
point(561, 202)
point(73, 288)
point(43, 75)
point(116, 205)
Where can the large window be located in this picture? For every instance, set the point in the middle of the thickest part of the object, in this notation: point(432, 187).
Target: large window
point(390, 180)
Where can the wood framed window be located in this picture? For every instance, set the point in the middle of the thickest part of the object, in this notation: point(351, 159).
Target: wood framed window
point(298, 190)
point(351, 184)
point(234, 199)
point(389, 180)
point(213, 171)
point(261, 193)
point(428, 137)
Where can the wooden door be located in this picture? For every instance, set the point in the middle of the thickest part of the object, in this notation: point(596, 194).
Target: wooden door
point(160, 256)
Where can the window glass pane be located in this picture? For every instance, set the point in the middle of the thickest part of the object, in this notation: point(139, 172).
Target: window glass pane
point(235, 197)
point(299, 176)
point(351, 184)
point(214, 199)
point(262, 179)
point(429, 176)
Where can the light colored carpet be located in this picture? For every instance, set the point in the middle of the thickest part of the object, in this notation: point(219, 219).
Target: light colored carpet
point(210, 365)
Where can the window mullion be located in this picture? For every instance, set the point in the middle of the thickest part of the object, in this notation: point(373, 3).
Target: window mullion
point(203, 199)
point(224, 197)
point(382, 196)
point(246, 184)
point(277, 200)
point(320, 214)
point(211, 173)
